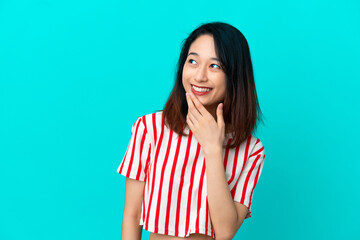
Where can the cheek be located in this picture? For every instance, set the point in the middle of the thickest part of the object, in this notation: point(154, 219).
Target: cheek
point(223, 96)
point(223, 90)
point(184, 81)
point(185, 73)
point(185, 78)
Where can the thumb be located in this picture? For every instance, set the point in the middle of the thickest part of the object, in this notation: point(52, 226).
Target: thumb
point(219, 113)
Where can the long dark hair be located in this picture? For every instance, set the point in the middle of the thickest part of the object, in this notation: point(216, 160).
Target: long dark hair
point(241, 108)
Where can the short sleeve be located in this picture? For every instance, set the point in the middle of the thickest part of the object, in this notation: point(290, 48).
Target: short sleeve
point(244, 189)
point(137, 156)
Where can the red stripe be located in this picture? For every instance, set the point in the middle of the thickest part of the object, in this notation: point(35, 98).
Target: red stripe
point(148, 179)
point(234, 165)
point(144, 121)
point(178, 206)
point(154, 174)
point(257, 152)
point(154, 126)
point(147, 160)
point(158, 206)
point(226, 154)
point(207, 215)
point(247, 179)
point(255, 181)
point(140, 163)
point(132, 151)
point(212, 229)
point(244, 162)
point(122, 164)
point(197, 226)
point(188, 205)
point(171, 185)
point(246, 153)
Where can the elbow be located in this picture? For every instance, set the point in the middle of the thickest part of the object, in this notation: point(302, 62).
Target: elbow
point(228, 234)
point(131, 217)
point(225, 236)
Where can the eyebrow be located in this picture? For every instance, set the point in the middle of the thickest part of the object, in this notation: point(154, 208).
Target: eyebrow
point(196, 54)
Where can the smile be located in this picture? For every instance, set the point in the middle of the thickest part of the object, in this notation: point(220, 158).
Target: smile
point(200, 90)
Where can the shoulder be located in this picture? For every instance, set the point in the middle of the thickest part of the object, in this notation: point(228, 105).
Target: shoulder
point(150, 120)
point(256, 146)
point(149, 125)
point(153, 116)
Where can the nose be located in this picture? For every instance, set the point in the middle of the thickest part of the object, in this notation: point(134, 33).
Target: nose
point(201, 74)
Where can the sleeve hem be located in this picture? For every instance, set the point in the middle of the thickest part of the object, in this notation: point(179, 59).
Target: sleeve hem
point(132, 177)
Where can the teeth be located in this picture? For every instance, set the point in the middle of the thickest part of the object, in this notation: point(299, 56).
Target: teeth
point(201, 89)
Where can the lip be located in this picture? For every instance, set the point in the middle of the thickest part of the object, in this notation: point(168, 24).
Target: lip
point(199, 93)
point(199, 86)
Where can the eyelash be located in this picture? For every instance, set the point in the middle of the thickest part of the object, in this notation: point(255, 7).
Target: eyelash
point(211, 64)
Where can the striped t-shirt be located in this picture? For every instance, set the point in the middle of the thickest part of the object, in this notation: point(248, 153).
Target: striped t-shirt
point(173, 167)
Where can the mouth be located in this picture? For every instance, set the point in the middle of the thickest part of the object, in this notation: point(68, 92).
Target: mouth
point(200, 90)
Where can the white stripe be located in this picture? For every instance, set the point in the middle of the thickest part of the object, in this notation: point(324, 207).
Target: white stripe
point(150, 141)
point(176, 182)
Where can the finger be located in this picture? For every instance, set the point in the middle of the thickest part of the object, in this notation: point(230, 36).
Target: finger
point(219, 114)
point(199, 106)
point(190, 123)
point(192, 108)
point(191, 117)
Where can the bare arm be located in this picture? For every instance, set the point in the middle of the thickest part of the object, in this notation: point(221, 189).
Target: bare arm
point(134, 190)
point(226, 216)
point(210, 133)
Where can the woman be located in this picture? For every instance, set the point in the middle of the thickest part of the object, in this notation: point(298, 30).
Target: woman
point(192, 168)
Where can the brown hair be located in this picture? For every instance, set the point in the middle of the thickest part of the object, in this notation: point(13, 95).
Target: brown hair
point(241, 109)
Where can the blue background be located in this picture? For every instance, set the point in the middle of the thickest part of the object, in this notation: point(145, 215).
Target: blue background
point(75, 75)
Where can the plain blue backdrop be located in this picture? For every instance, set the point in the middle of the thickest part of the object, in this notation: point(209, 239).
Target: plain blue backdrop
point(75, 75)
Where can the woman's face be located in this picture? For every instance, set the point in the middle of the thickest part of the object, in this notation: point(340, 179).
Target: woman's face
point(202, 74)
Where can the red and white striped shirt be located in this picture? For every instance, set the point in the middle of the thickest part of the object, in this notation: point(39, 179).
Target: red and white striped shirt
point(173, 167)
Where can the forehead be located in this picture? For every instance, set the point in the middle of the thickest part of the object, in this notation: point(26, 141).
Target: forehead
point(204, 46)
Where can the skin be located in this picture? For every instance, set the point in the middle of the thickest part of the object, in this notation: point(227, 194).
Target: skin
point(204, 71)
point(205, 120)
point(227, 216)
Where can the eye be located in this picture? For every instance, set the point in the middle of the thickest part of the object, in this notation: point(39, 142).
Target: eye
point(191, 60)
point(216, 65)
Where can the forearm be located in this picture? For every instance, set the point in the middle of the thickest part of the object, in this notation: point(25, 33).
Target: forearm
point(131, 230)
point(221, 205)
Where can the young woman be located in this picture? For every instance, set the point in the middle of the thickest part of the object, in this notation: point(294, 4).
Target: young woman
point(192, 167)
